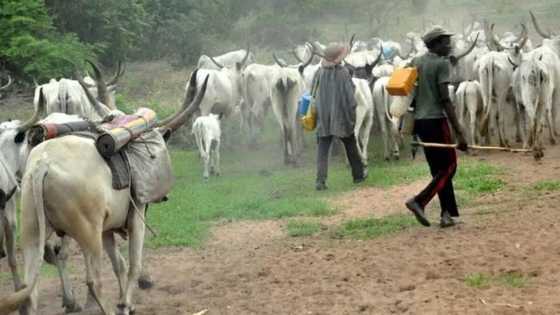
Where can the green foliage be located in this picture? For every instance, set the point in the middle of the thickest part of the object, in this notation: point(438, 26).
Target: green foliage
point(372, 228)
point(29, 45)
point(302, 228)
point(475, 178)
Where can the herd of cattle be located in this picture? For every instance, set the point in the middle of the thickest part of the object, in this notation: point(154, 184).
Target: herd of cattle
point(505, 92)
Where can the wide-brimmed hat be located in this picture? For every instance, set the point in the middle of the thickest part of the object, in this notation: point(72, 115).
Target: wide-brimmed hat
point(334, 54)
point(435, 32)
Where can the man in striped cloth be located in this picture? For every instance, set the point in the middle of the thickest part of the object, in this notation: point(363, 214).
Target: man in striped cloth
point(433, 113)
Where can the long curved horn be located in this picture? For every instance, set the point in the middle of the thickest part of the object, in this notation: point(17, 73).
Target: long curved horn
point(36, 115)
point(515, 66)
point(180, 119)
point(102, 90)
point(10, 81)
point(99, 108)
point(189, 96)
point(118, 74)
point(494, 39)
point(524, 37)
point(537, 26)
point(219, 65)
point(277, 60)
point(351, 42)
point(247, 52)
point(468, 51)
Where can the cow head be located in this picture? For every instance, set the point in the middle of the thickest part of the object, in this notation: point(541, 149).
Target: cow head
point(102, 90)
point(364, 72)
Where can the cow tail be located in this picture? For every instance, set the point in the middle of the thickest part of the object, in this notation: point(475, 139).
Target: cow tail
point(12, 302)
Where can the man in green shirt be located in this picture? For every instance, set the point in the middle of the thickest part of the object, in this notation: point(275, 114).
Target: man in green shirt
point(433, 114)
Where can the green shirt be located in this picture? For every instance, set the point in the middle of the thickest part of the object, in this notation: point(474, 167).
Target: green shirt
point(432, 71)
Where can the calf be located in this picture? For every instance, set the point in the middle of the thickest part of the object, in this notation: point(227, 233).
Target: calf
point(470, 108)
point(206, 130)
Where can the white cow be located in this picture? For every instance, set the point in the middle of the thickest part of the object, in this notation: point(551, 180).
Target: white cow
point(470, 108)
point(207, 132)
point(389, 111)
point(227, 60)
point(257, 80)
point(287, 86)
point(364, 117)
point(90, 216)
point(536, 84)
point(225, 88)
point(495, 76)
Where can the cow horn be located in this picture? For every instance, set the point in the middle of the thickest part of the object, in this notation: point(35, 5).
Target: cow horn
point(189, 96)
point(515, 66)
point(351, 42)
point(180, 119)
point(494, 39)
point(537, 26)
point(524, 36)
point(118, 74)
point(97, 106)
point(468, 51)
point(10, 81)
point(277, 60)
point(102, 90)
point(376, 61)
point(247, 52)
point(219, 65)
point(36, 115)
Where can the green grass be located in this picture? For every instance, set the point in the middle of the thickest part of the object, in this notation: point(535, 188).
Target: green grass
point(255, 185)
point(302, 228)
point(476, 178)
point(508, 279)
point(477, 280)
point(371, 228)
point(547, 186)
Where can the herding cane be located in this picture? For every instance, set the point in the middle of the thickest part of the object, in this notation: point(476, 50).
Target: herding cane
point(417, 143)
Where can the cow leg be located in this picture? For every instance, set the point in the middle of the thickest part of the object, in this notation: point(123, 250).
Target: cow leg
point(93, 258)
point(285, 136)
point(551, 128)
point(9, 223)
point(58, 256)
point(117, 261)
point(206, 158)
point(365, 139)
point(218, 171)
point(135, 248)
point(2, 238)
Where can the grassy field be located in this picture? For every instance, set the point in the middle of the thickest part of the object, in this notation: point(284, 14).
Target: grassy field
point(255, 185)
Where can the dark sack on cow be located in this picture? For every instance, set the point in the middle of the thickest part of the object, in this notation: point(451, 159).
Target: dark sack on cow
point(150, 167)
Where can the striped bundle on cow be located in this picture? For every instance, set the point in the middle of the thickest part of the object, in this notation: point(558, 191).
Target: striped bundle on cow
point(123, 129)
point(46, 131)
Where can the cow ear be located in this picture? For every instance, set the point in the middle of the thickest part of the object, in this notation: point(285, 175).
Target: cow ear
point(19, 137)
point(2, 199)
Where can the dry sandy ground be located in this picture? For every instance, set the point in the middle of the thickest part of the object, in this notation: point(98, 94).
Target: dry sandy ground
point(255, 268)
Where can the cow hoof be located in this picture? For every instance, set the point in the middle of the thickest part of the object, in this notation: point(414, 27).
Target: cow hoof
point(72, 307)
point(123, 309)
point(145, 282)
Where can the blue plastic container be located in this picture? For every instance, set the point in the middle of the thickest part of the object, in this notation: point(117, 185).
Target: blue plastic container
point(303, 103)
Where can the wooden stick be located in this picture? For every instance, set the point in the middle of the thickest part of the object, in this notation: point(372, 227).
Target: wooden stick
point(475, 147)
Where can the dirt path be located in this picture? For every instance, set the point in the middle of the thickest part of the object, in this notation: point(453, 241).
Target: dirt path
point(254, 268)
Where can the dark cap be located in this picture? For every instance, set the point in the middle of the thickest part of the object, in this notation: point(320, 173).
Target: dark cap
point(435, 32)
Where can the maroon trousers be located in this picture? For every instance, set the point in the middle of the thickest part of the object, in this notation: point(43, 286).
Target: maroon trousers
point(443, 164)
